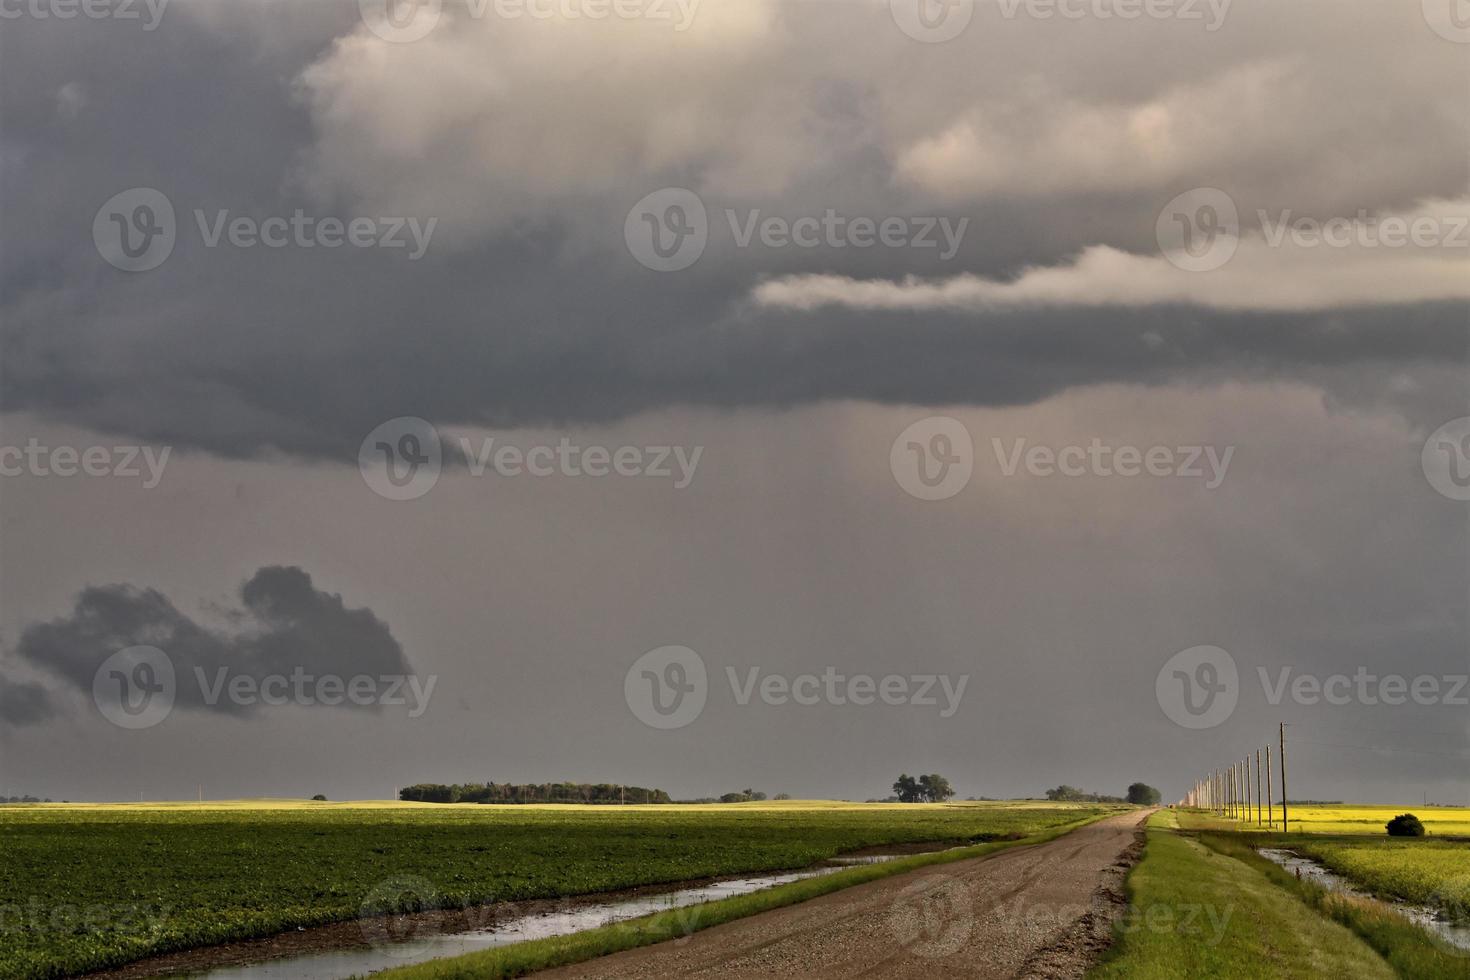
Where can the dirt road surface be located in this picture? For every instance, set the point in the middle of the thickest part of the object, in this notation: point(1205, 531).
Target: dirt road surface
point(1043, 911)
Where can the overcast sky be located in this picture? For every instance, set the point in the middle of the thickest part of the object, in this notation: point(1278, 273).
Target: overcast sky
point(1232, 234)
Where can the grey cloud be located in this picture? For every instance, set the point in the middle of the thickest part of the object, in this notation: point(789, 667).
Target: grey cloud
point(23, 702)
point(283, 624)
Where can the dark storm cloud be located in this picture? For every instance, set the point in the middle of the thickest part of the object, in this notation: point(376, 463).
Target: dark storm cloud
point(282, 625)
point(542, 320)
point(23, 702)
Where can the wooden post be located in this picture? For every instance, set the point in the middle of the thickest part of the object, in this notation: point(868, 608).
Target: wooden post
point(1270, 810)
point(1259, 822)
point(1285, 826)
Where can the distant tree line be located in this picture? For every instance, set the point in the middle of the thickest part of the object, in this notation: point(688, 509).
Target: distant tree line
point(531, 793)
point(1140, 794)
point(1071, 794)
point(23, 799)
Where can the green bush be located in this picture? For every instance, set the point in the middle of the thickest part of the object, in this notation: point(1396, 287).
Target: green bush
point(1405, 825)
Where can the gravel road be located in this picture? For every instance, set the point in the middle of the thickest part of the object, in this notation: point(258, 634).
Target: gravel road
point(1035, 911)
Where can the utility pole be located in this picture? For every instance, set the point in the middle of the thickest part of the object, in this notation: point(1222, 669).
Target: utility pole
point(1285, 827)
point(1259, 822)
point(1270, 811)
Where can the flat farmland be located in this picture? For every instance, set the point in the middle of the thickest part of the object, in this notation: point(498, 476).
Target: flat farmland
point(86, 887)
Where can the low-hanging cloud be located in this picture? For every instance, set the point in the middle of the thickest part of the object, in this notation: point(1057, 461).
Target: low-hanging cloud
point(1273, 269)
point(283, 624)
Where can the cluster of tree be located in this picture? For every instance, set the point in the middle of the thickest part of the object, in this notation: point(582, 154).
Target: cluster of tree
point(24, 799)
point(744, 796)
point(531, 793)
point(1071, 794)
point(1140, 794)
point(932, 788)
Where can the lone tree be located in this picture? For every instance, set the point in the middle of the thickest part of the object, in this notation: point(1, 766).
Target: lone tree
point(1405, 825)
point(1142, 794)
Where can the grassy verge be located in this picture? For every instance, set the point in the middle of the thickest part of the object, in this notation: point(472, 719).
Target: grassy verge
point(522, 958)
point(1198, 912)
point(1412, 952)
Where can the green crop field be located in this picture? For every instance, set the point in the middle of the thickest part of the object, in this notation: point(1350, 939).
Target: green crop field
point(1424, 871)
point(1339, 818)
point(84, 887)
point(1352, 841)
